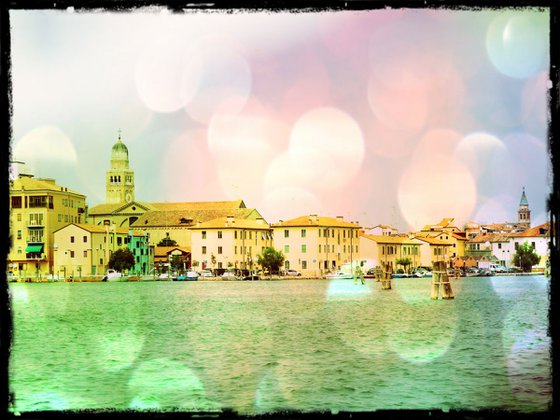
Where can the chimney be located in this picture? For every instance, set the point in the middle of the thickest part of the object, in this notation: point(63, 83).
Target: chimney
point(260, 220)
point(313, 218)
point(229, 220)
point(339, 218)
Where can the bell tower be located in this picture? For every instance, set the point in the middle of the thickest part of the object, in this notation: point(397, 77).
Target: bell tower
point(119, 180)
point(524, 214)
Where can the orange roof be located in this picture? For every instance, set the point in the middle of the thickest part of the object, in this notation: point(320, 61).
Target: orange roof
point(490, 237)
point(393, 239)
point(314, 220)
point(232, 223)
point(30, 184)
point(534, 232)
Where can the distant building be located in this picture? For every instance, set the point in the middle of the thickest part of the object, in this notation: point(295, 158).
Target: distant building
point(390, 248)
point(539, 238)
point(314, 244)
point(39, 207)
point(83, 250)
point(382, 230)
point(229, 242)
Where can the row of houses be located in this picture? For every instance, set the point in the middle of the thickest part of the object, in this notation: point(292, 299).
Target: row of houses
point(54, 232)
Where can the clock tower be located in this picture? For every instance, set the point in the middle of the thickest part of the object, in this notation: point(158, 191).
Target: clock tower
point(119, 182)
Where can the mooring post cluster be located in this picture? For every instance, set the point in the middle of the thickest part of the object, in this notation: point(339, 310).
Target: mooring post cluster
point(440, 281)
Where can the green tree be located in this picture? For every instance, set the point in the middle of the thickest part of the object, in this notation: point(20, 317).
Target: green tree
point(525, 257)
point(405, 262)
point(271, 259)
point(121, 260)
point(176, 262)
point(167, 241)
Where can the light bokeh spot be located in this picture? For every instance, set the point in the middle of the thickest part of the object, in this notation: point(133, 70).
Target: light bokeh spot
point(517, 43)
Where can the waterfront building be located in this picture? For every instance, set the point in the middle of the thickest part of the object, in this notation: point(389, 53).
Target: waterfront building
point(435, 247)
point(445, 230)
point(164, 256)
point(314, 244)
point(390, 248)
point(496, 247)
point(83, 250)
point(539, 238)
point(229, 242)
point(39, 207)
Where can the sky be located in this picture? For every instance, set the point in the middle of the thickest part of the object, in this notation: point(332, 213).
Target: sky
point(389, 116)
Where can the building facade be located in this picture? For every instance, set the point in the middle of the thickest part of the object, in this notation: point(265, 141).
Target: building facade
point(229, 242)
point(39, 207)
point(388, 249)
point(315, 245)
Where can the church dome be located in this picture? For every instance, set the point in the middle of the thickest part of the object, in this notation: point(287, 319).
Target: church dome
point(119, 151)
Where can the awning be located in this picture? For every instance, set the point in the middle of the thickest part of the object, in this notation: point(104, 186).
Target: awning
point(33, 249)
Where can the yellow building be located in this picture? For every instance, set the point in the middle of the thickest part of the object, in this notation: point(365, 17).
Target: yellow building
point(446, 231)
point(82, 250)
point(390, 248)
point(314, 245)
point(435, 249)
point(229, 242)
point(38, 207)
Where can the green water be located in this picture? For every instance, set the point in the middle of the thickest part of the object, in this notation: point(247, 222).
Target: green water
point(273, 345)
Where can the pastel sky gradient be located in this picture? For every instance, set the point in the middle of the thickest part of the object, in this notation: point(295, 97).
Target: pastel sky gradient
point(389, 116)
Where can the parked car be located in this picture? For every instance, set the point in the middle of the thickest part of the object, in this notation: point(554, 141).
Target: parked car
point(206, 273)
point(165, 276)
point(251, 277)
point(229, 275)
point(292, 273)
point(514, 270)
point(192, 275)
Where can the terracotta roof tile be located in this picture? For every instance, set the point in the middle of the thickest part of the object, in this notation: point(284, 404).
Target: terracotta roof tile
point(314, 220)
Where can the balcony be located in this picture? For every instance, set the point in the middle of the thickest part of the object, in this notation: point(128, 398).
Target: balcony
point(35, 224)
point(34, 240)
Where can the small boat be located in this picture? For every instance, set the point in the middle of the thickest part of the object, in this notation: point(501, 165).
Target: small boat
point(188, 276)
point(339, 275)
point(113, 276)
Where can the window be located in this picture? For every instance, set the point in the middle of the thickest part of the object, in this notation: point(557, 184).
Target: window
point(286, 233)
point(319, 247)
point(85, 238)
point(344, 249)
point(533, 245)
point(319, 233)
point(235, 250)
point(303, 248)
point(304, 265)
point(235, 234)
point(499, 246)
point(71, 254)
point(65, 218)
point(303, 233)
point(219, 250)
point(19, 234)
point(219, 234)
point(16, 202)
point(71, 239)
point(19, 217)
point(85, 254)
point(220, 265)
point(286, 249)
point(203, 234)
point(204, 250)
point(37, 201)
point(119, 241)
point(332, 233)
point(250, 235)
point(100, 261)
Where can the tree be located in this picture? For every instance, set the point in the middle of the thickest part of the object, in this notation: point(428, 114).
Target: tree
point(176, 262)
point(405, 262)
point(271, 259)
point(121, 260)
point(167, 241)
point(525, 257)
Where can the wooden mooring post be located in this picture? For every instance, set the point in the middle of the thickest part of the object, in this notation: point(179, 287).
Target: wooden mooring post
point(378, 273)
point(440, 280)
point(386, 276)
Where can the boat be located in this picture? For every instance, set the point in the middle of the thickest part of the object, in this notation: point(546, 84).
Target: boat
point(188, 276)
point(114, 276)
point(339, 275)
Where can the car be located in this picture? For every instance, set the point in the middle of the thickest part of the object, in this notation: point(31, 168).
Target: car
point(514, 270)
point(206, 273)
point(164, 276)
point(292, 273)
point(230, 275)
point(251, 277)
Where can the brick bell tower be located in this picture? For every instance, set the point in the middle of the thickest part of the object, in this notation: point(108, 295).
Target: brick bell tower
point(524, 214)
